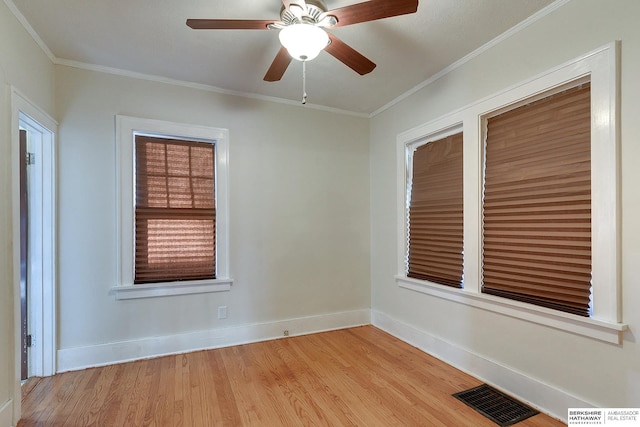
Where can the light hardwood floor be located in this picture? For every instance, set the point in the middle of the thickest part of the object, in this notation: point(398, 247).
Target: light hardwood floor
point(352, 377)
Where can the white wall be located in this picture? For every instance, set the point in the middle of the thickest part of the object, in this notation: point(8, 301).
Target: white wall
point(600, 374)
point(25, 67)
point(299, 209)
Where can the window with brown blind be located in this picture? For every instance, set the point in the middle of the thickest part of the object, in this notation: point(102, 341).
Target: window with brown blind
point(537, 202)
point(175, 210)
point(435, 212)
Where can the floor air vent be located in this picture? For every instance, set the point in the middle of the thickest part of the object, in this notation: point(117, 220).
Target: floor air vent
point(495, 405)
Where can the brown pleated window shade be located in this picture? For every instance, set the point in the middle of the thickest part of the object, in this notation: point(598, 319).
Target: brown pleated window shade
point(175, 234)
point(435, 212)
point(537, 203)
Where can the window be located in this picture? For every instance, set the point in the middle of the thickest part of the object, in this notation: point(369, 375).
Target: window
point(175, 210)
point(435, 212)
point(537, 202)
point(540, 218)
point(173, 204)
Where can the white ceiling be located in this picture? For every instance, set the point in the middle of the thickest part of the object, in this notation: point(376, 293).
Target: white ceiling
point(150, 37)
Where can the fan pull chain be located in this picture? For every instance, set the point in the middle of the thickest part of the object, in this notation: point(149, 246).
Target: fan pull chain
point(304, 82)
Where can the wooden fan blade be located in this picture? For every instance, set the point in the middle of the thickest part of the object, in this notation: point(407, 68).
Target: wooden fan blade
point(349, 56)
point(278, 66)
point(228, 24)
point(372, 10)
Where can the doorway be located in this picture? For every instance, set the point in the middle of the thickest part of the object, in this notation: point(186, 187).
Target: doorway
point(34, 227)
point(25, 338)
point(32, 280)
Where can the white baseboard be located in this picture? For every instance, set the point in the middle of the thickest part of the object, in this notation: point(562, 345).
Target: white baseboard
point(70, 359)
point(6, 412)
point(543, 397)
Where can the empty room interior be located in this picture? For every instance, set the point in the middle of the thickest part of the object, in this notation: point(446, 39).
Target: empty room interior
point(444, 197)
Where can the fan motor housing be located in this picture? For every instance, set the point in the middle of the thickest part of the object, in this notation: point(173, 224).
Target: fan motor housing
point(315, 8)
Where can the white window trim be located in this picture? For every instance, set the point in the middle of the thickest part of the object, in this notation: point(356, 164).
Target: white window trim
point(126, 129)
point(600, 67)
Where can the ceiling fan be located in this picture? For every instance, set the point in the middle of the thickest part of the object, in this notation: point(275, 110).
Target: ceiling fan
point(302, 27)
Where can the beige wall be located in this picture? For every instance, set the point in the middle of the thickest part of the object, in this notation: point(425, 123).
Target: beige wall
point(299, 208)
point(26, 68)
point(601, 374)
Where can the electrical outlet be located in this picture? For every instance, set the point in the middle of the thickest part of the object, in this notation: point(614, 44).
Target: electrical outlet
point(222, 312)
point(286, 332)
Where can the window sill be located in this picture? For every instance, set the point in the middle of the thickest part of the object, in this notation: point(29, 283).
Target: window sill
point(602, 330)
point(171, 288)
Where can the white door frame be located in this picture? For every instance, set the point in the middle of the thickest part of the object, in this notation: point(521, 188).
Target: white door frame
point(45, 327)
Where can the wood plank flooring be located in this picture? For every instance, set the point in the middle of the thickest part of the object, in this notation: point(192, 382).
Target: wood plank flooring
point(352, 377)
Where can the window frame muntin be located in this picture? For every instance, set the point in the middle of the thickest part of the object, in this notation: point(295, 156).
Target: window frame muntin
point(127, 127)
point(601, 67)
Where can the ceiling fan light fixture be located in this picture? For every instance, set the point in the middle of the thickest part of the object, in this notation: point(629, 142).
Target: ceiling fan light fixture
point(303, 41)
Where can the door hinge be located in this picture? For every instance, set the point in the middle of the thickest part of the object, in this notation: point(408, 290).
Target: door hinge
point(31, 158)
point(29, 340)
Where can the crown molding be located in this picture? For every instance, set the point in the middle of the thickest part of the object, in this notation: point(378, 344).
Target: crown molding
point(459, 63)
point(34, 35)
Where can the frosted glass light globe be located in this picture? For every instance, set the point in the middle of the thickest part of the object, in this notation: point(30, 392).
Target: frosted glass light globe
point(303, 41)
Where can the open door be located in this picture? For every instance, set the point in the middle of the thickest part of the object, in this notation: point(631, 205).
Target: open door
point(24, 254)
